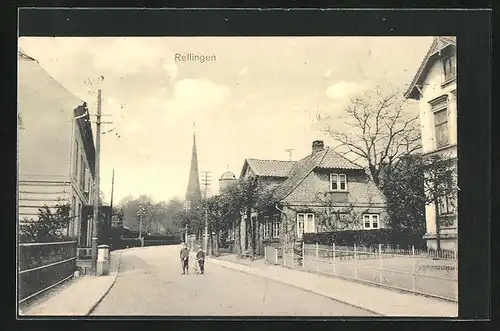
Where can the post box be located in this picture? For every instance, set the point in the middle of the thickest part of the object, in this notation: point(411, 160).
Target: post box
point(102, 260)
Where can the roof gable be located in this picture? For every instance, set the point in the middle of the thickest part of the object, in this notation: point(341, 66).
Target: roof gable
point(268, 168)
point(437, 46)
point(325, 159)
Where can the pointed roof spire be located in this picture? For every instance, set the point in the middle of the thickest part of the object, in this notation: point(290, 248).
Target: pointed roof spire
point(193, 193)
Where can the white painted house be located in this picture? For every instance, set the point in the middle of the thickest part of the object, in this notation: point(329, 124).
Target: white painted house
point(55, 148)
point(434, 87)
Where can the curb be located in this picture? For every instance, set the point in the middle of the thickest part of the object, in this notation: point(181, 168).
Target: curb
point(91, 310)
point(301, 288)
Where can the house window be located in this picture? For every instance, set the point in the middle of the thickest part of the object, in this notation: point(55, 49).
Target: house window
point(370, 221)
point(305, 224)
point(447, 203)
point(448, 68)
point(441, 125)
point(77, 150)
point(82, 173)
point(276, 226)
point(338, 182)
point(267, 227)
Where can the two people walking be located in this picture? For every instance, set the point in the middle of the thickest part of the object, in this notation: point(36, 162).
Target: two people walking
point(200, 259)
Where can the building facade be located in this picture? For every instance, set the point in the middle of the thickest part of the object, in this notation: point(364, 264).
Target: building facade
point(434, 87)
point(55, 148)
point(323, 191)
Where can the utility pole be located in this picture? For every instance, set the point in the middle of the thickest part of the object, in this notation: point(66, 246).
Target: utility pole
point(96, 186)
point(111, 202)
point(206, 183)
point(289, 151)
point(112, 189)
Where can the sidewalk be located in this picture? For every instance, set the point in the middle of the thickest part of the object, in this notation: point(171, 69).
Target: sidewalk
point(79, 297)
point(378, 300)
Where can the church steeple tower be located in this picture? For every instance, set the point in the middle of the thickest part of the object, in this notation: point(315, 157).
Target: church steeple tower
point(193, 193)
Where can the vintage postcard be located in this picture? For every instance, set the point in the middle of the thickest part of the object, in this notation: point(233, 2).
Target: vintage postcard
point(238, 176)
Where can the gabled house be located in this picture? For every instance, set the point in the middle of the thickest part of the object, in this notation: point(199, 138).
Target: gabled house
point(55, 148)
point(270, 173)
point(434, 87)
point(323, 191)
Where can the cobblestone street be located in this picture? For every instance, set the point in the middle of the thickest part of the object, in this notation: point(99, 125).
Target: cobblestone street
point(150, 283)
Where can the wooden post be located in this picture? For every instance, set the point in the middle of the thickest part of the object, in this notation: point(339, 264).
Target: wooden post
point(333, 261)
point(413, 267)
point(303, 255)
point(95, 222)
point(455, 250)
point(380, 263)
point(355, 262)
point(283, 255)
point(317, 257)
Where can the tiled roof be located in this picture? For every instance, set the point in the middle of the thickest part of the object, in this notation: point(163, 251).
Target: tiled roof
point(270, 168)
point(325, 159)
point(438, 44)
point(333, 160)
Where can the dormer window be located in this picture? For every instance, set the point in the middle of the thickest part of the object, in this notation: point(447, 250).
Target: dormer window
point(448, 68)
point(338, 182)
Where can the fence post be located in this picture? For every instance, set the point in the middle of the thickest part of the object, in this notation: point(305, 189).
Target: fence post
point(355, 262)
point(380, 263)
point(413, 267)
point(333, 261)
point(455, 253)
point(265, 253)
point(283, 255)
point(303, 255)
point(317, 257)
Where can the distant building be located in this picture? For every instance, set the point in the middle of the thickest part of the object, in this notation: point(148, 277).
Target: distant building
point(55, 148)
point(227, 179)
point(435, 88)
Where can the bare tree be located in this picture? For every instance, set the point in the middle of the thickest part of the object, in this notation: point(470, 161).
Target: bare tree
point(379, 129)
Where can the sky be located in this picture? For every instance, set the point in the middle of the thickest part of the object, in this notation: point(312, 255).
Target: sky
point(255, 98)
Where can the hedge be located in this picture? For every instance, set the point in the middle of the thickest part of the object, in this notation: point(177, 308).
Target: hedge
point(366, 238)
point(124, 243)
point(163, 237)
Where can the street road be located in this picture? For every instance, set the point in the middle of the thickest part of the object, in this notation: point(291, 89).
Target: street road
point(150, 283)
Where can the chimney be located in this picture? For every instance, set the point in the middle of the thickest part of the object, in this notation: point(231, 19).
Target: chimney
point(317, 146)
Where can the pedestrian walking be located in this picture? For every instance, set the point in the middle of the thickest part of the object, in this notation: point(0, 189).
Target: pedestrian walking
point(184, 259)
point(200, 258)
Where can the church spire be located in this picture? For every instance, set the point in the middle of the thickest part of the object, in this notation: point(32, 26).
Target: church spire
point(193, 193)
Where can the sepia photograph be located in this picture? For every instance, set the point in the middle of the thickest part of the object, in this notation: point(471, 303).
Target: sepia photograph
point(237, 176)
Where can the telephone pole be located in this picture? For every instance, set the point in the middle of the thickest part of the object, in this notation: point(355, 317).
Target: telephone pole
point(205, 181)
point(289, 151)
point(96, 185)
point(112, 189)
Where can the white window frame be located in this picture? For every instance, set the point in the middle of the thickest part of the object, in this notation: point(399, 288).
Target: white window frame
point(338, 181)
point(453, 69)
point(306, 224)
point(442, 109)
point(76, 159)
point(276, 227)
point(373, 219)
point(267, 228)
